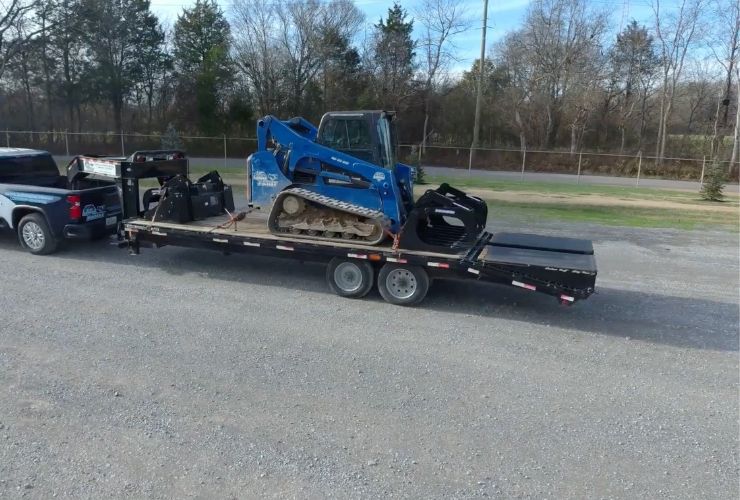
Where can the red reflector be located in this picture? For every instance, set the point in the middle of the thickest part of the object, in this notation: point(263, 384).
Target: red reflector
point(75, 206)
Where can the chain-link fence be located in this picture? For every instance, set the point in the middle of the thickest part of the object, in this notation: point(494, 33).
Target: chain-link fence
point(636, 166)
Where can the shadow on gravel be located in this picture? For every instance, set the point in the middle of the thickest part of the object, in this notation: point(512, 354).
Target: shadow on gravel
point(663, 319)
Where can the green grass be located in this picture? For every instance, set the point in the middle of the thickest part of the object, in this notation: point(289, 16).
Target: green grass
point(556, 188)
point(614, 216)
point(594, 214)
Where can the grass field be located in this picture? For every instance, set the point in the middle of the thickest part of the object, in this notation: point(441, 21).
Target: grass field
point(597, 204)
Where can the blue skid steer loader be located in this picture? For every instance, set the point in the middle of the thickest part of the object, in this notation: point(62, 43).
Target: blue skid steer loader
point(342, 181)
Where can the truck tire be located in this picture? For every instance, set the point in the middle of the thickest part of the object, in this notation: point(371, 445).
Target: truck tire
point(35, 236)
point(402, 284)
point(350, 278)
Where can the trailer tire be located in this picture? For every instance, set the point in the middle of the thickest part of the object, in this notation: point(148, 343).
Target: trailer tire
point(402, 284)
point(350, 278)
point(35, 236)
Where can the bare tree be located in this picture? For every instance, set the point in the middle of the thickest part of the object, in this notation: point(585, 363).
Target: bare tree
point(280, 47)
point(676, 32)
point(561, 42)
point(13, 17)
point(725, 45)
point(257, 52)
point(440, 20)
point(735, 157)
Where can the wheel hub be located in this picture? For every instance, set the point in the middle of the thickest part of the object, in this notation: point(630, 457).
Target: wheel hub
point(33, 236)
point(348, 277)
point(401, 283)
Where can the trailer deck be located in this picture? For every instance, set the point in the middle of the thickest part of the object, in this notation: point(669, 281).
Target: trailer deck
point(562, 267)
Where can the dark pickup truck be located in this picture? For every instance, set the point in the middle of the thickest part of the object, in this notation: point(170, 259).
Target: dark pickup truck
point(44, 207)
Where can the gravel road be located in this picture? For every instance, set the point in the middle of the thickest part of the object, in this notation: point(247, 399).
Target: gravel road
point(185, 373)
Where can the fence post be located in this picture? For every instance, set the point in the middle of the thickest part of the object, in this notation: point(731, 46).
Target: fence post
point(7, 138)
point(639, 166)
point(123, 148)
point(524, 162)
point(703, 164)
point(470, 160)
point(66, 142)
point(224, 150)
point(578, 177)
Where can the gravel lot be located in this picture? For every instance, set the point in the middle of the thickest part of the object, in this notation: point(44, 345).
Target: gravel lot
point(186, 373)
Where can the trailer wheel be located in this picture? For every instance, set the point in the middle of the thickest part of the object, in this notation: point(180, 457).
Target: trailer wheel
point(402, 284)
point(35, 236)
point(349, 278)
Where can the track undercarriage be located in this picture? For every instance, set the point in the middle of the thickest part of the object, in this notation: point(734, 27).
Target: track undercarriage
point(306, 214)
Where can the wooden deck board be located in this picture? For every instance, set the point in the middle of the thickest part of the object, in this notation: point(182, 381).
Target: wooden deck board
point(256, 227)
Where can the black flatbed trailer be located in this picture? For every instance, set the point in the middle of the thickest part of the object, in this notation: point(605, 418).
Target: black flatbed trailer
point(564, 268)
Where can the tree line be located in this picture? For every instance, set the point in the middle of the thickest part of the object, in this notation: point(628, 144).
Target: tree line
point(565, 79)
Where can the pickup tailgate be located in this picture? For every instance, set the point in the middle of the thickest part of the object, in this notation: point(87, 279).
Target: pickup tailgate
point(100, 204)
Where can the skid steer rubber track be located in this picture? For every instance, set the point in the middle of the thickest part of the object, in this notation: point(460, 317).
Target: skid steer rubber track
point(327, 219)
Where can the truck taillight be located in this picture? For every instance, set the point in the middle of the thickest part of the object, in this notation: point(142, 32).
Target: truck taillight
point(75, 206)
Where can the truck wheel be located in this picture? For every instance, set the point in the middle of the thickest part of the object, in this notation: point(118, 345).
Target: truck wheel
point(402, 284)
point(34, 235)
point(349, 278)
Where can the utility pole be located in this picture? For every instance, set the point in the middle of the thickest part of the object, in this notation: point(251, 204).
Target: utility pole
point(479, 94)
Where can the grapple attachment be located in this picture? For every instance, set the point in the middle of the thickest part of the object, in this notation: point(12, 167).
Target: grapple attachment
point(444, 220)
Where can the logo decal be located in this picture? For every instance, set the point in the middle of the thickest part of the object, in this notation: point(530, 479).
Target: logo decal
point(92, 212)
point(379, 176)
point(264, 179)
point(20, 197)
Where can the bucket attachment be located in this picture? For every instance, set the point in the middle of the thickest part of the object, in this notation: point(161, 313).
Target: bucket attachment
point(444, 220)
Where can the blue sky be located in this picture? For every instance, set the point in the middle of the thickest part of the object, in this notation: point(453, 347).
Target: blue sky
point(503, 16)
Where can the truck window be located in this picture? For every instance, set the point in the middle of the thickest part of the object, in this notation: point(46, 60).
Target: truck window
point(31, 165)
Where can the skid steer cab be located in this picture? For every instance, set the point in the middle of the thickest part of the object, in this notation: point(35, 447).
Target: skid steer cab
point(342, 180)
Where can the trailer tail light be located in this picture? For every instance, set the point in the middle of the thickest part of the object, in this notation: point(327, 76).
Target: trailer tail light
point(75, 206)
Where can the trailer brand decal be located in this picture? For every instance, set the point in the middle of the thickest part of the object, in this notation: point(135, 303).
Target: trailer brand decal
point(19, 197)
point(99, 167)
point(565, 270)
point(263, 179)
point(523, 285)
point(442, 265)
point(357, 256)
point(92, 212)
